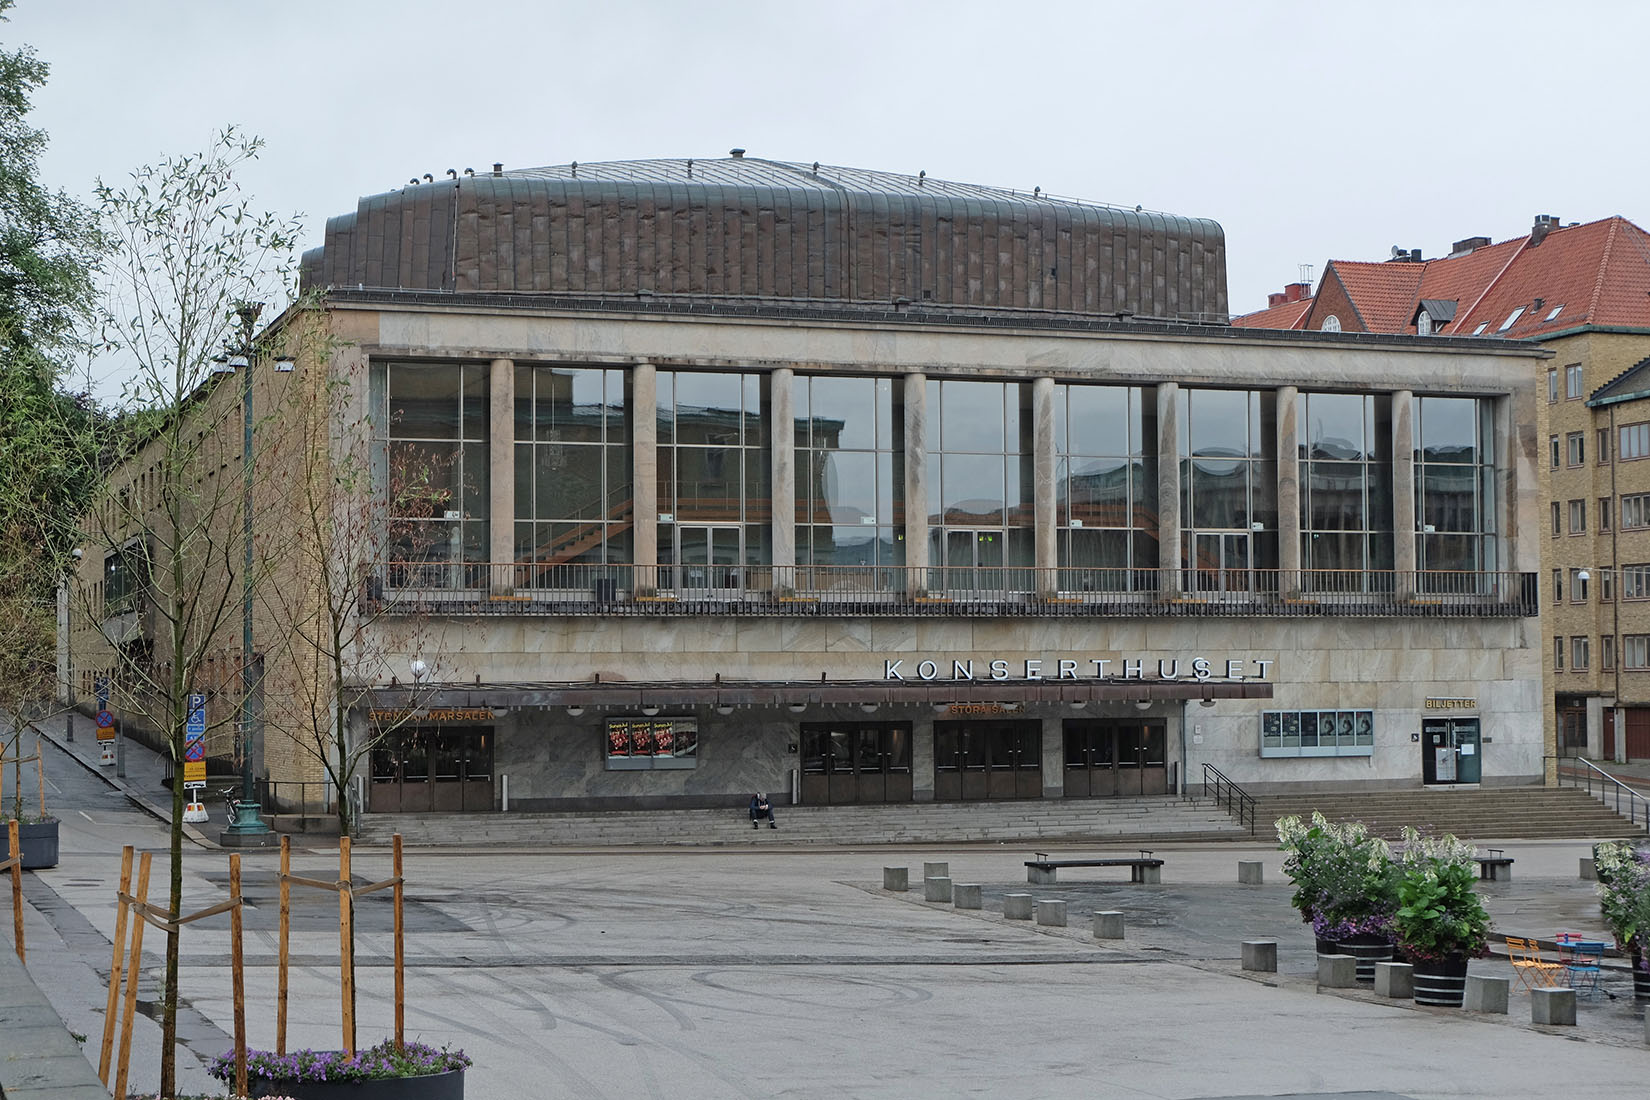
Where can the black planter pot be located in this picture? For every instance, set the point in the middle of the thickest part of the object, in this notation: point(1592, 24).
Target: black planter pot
point(1327, 947)
point(38, 841)
point(1441, 983)
point(1641, 980)
point(1367, 949)
point(435, 1086)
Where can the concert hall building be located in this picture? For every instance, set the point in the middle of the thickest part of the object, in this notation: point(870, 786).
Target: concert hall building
point(858, 487)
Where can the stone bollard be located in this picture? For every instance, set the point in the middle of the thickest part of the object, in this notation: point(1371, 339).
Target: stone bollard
point(1553, 1006)
point(1260, 955)
point(1486, 994)
point(1017, 906)
point(1395, 980)
point(936, 889)
point(1051, 912)
point(1589, 870)
point(1647, 1025)
point(1108, 925)
point(1337, 971)
point(936, 870)
point(966, 895)
point(1250, 872)
point(896, 878)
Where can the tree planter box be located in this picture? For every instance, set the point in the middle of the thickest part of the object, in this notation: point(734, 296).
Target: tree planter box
point(38, 841)
point(435, 1086)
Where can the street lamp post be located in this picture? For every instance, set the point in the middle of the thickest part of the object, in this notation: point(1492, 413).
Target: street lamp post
point(248, 828)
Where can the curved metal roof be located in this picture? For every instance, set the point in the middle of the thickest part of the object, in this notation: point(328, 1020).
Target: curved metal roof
point(773, 230)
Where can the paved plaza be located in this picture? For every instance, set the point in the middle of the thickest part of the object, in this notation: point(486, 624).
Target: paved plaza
point(687, 974)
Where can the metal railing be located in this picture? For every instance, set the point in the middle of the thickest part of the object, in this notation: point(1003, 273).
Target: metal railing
point(516, 588)
point(1621, 798)
point(1231, 797)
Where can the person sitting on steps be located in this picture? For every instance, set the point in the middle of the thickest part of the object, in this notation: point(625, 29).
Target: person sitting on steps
point(760, 809)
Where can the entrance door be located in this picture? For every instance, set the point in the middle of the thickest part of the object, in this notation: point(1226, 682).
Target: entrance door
point(868, 762)
point(1110, 758)
point(971, 560)
point(974, 761)
point(1221, 561)
point(1572, 731)
point(1450, 750)
point(709, 559)
point(432, 770)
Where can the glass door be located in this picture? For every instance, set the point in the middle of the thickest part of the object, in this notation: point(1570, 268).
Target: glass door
point(1221, 562)
point(970, 560)
point(1450, 750)
point(708, 558)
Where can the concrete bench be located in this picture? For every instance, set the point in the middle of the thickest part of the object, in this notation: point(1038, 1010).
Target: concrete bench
point(1143, 868)
point(1495, 867)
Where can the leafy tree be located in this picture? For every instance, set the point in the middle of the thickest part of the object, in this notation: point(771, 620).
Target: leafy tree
point(189, 254)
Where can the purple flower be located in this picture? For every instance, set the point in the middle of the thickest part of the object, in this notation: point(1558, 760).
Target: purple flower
point(381, 1061)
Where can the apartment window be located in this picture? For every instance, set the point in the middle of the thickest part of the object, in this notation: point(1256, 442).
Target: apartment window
point(1607, 652)
point(1635, 582)
point(1603, 513)
point(1552, 451)
point(1552, 384)
point(1635, 510)
point(1607, 585)
point(1635, 441)
point(1603, 446)
point(1572, 381)
point(1575, 447)
point(1635, 651)
point(1578, 516)
point(1558, 654)
point(1580, 654)
point(1558, 519)
point(1558, 585)
point(1578, 586)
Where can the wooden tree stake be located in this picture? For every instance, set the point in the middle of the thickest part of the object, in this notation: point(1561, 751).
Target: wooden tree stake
point(400, 955)
point(346, 946)
point(238, 975)
point(16, 887)
point(282, 957)
point(134, 965)
point(112, 1008)
point(40, 774)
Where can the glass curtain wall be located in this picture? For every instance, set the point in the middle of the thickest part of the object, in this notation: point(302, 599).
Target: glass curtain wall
point(850, 477)
point(574, 500)
point(980, 475)
point(1105, 447)
point(715, 462)
point(1228, 487)
point(1454, 487)
point(1346, 491)
point(435, 473)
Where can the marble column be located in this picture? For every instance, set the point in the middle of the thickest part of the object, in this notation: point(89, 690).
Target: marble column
point(1289, 493)
point(501, 463)
point(1044, 491)
point(916, 482)
point(1505, 443)
point(1404, 523)
point(922, 756)
point(1054, 757)
point(1168, 488)
point(782, 408)
point(644, 477)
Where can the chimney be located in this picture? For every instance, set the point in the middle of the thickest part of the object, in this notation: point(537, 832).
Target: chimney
point(1544, 224)
point(1415, 255)
point(1294, 292)
point(1461, 248)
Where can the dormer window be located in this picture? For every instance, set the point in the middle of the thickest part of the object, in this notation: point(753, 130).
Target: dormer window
point(1423, 323)
point(1331, 323)
point(1432, 314)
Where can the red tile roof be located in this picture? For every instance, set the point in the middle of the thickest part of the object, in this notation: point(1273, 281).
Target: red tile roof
point(1599, 273)
point(1288, 315)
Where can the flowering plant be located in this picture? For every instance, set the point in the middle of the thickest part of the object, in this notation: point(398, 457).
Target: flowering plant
point(383, 1060)
point(1624, 895)
point(1439, 914)
point(1344, 876)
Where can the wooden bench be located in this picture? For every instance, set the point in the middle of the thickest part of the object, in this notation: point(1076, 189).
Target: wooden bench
point(1494, 867)
point(1142, 868)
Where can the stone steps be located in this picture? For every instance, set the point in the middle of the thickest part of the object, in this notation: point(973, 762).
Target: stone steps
point(1514, 812)
point(1102, 820)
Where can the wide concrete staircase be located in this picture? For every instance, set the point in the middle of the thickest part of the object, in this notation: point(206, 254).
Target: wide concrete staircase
point(1123, 821)
point(1490, 813)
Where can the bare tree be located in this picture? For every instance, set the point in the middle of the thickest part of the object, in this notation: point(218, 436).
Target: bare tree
point(189, 254)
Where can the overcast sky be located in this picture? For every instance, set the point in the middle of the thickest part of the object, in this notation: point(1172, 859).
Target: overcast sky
point(1308, 130)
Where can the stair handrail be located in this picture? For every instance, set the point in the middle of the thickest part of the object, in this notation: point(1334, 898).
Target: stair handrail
point(1638, 805)
point(1229, 795)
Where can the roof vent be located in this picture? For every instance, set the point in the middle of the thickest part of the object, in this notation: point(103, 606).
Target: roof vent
point(736, 154)
point(1462, 247)
point(498, 168)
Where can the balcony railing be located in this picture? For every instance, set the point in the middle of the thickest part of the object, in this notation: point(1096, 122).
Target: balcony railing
point(516, 588)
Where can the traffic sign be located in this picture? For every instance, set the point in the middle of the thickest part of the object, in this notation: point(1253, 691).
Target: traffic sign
point(105, 726)
point(197, 715)
point(194, 741)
